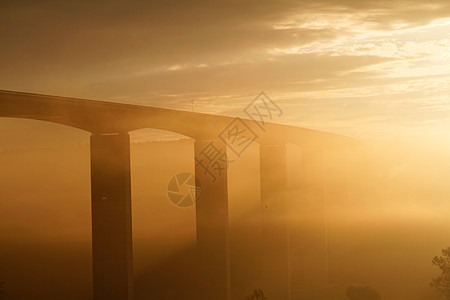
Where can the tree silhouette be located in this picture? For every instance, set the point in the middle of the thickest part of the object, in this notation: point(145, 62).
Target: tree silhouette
point(362, 293)
point(442, 282)
point(257, 295)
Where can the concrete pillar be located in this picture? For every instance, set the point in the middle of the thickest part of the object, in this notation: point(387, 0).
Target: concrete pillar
point(212, 221)
point(311, 271)
point(274, 246)
point(337, 195)
point(111, 217)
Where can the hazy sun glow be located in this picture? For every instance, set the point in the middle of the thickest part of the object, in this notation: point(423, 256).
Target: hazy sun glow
point(370, 214)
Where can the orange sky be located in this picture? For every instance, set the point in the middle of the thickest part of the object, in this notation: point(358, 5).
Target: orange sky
point(368, 69)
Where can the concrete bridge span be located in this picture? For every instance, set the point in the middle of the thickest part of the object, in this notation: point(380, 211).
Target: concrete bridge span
point(110, 124)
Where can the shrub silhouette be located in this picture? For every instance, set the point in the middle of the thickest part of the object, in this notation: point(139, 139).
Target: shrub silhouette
point(257, 295)
point(442, 282)
point(362, 293)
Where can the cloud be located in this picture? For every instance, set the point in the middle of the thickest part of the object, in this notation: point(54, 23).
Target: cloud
point(223, 53)
point(120, 35)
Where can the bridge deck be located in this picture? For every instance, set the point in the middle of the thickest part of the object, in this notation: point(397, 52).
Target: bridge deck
point(109, 117)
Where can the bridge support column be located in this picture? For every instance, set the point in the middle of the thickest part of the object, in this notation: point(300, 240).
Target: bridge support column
point(311, 240)
point(337, 197)
point(212, 221)
point(111, 217)
point(275, 235)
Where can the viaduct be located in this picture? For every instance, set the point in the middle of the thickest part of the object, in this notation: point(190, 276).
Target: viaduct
point(110, 124)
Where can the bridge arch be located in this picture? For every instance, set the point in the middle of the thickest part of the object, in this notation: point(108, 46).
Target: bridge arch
point(110, 124)
point(50, 192)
